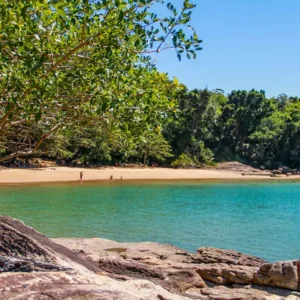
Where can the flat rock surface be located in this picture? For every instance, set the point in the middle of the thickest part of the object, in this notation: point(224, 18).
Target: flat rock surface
point(248, 293)
point(63, 285)
point(154, 261)
point(231, 257)
point(165, 265)
point(238, 167)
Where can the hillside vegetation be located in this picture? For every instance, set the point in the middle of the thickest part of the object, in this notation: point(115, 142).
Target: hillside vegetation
point(78, 82)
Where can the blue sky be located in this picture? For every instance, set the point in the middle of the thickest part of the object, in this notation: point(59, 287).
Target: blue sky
point(246, 44)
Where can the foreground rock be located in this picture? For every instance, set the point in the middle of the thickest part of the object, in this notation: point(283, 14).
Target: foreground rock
point(157, 262)
point(226, 274)
point(214, 255)
point(21, 244)
point(62, 285)
point(248, 293)
point(284, 274)
point(170, 277)
point(35, 267)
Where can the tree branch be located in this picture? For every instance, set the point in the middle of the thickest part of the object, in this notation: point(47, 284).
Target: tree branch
point(46, 136)
point(34, 150)
point(4, 120)
point(16, 154)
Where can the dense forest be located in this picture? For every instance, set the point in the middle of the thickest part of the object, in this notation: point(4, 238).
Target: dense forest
point(78, 84)
point(203, 127)
point(243, 125)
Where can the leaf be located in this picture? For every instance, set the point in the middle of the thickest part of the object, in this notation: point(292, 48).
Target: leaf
point(121, 15)
point(38, 116)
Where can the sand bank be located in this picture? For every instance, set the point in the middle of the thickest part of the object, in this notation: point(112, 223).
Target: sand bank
point(66, 174)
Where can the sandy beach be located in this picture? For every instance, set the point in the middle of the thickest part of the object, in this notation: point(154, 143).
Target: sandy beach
point(66, 174)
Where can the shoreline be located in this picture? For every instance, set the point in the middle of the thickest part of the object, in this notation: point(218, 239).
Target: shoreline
point(67, 175)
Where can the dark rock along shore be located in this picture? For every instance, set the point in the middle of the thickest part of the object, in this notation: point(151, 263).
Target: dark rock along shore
point(33, 266)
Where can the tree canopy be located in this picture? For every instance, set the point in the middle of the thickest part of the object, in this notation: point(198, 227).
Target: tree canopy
point(243, 125)
point(78, 80)
point(70, 62)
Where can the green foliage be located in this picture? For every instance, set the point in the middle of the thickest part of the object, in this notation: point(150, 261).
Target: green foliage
point(205, 154)
point(77, 80)
point(185, 161)
point(66, 63)
point(153, 145)
point(244, 126)
point(192, 129)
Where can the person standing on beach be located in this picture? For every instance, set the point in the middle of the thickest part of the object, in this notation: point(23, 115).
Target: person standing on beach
point(81, 175)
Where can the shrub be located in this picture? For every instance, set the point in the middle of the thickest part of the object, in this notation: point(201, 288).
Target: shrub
point(185, 161)
point(206, 155)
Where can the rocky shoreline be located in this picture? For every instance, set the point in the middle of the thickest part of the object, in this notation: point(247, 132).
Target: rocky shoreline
point(33, 266)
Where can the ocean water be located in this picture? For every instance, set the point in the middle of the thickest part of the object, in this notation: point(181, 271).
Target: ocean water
point(261, 219)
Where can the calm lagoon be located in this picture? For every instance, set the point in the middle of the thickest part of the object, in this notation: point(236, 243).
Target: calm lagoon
point(261, 219)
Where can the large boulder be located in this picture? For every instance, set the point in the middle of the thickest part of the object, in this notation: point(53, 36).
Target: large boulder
point(285, 170)
point(34, 267)
point(284, 274)
point(22, 245)
point(215, 255)
point(226, 274)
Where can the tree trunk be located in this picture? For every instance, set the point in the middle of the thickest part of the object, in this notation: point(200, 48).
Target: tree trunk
point(145, 158)
point(16, 154)
point(34, 150)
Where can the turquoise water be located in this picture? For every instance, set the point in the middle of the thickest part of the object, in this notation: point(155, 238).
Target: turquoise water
point(262, 219)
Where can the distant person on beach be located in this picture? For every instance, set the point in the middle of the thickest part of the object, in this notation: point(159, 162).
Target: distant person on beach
point(81, 175)
point(111, 177)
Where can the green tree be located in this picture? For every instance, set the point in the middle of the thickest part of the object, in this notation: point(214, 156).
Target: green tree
point(185, 161)
point(276, 140)
point(266, 139)
point(64, 63)
point(153, 145)
point(290, 144)
point(195, 122)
